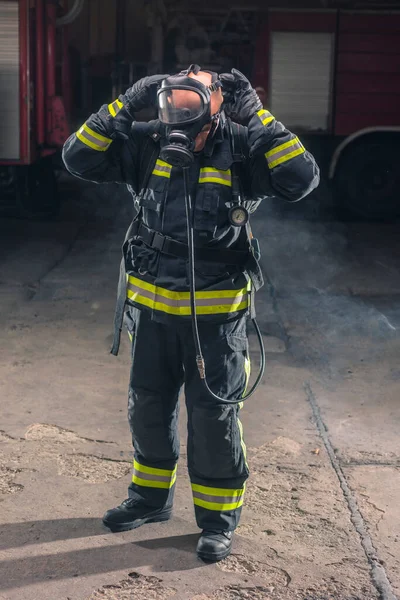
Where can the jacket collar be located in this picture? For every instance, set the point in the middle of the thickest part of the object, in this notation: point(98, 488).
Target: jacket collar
point(217, 151)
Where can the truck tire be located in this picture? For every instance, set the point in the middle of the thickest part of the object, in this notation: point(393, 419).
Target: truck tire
point(367, 181)
point(37, 191)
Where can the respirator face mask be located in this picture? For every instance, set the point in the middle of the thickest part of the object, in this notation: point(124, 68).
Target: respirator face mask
point(184, 107)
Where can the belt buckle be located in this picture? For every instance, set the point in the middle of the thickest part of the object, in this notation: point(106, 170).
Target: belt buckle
point(158, 241)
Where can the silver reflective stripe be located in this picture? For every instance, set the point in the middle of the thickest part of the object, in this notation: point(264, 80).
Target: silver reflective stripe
point(185, 301)
point(277, 155)
point(115, 107)
point(162, 168)
point(93, 139)
point(218, 499)
point(151, 477)
point(215, 175)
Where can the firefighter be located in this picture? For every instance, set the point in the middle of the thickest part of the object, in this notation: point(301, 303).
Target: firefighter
point(196, 126)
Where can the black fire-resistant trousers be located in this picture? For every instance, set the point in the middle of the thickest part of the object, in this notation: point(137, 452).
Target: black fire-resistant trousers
point(163, 360)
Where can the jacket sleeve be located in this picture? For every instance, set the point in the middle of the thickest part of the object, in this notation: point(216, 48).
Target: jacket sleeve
point(95, 153)
point(279, 164)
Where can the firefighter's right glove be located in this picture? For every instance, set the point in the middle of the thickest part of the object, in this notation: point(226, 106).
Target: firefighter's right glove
point(141, 95)
point(241, 101)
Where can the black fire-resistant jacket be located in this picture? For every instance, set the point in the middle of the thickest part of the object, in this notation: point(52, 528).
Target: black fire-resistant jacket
point(277, 164)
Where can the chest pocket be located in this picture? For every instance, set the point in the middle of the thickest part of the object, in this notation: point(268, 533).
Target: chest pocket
point(153, 197)
point(214, 192)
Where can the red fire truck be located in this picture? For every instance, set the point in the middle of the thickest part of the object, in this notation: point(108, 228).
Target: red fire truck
point(33, 93)
point(336, 74)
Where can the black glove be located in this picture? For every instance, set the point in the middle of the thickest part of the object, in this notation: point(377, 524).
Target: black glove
point(240, 99)
point(142, 94)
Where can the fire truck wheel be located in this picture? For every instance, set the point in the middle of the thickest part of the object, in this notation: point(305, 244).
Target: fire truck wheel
point(367, 181)
point(37, 196)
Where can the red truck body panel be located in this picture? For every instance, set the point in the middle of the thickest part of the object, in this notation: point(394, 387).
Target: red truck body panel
point(365, 89)
point(367, 72)
point(42, 120)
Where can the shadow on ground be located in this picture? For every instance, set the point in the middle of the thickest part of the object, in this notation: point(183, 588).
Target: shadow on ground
point(163, 554)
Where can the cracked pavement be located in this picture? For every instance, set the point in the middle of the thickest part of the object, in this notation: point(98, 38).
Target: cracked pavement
point(328, 404)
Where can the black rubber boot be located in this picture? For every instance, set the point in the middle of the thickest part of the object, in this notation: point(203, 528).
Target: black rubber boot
point(130, 515)
point(214, 545)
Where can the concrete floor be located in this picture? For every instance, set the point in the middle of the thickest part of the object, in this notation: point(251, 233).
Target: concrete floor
point(322, 517)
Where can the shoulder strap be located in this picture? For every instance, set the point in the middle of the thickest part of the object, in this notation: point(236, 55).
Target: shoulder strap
point(238, 141)
point(149, 155)
point(238, 137)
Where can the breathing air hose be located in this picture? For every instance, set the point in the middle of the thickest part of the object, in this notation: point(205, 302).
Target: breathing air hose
point(192, 286)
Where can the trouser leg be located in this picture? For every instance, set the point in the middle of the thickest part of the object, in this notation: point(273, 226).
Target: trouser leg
point(155, 381)
point(216, 451)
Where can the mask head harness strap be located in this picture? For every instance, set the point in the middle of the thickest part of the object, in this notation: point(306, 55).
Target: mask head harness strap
point(195, 69)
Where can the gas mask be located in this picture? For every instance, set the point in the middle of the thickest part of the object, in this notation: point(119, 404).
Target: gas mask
point(184, 107)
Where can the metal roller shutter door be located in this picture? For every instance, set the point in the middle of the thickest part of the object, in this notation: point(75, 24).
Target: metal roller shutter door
point(9, 80)
point(301, 79)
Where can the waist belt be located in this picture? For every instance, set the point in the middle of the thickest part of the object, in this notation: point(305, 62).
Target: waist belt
point(167, 245)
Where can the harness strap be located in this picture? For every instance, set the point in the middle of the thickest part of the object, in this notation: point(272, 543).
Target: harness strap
point(166, 245)
point(239, 153)
point(148, 158)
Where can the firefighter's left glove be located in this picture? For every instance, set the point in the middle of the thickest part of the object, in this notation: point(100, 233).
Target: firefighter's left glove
point(241, 101)
point(142, 94)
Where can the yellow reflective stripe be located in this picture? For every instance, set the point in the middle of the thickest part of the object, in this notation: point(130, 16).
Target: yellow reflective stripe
point(186, 310)
point(268, 120)
point(247, 368)
point(98, 136)
point(216, 506)
point(242, 443)
point(284, 152)
point(89, 143)
point(219, 499)
point(213, 170)
point(130, 336)
point(115, 107)
point(111, 110)
point(215, 180)
point(265, 116)
point(213, 175)
point(162, 163)
point(153, 477)
point(285, 158)
point(153, 470)
point(161, 173)
point(162, 169)
point(203, 489)
point(91, 138)
point(186, 295)
point(278, 149)
point(178, 303)
point(154, 484)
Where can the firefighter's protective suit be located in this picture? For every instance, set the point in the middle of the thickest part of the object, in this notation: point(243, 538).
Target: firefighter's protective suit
point(157, 294)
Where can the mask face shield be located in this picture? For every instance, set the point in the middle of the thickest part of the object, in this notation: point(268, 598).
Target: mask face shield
point(180, 106)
